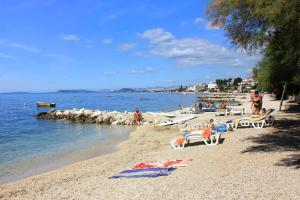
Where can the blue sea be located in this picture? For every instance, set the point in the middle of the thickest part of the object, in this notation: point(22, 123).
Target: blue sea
point(29, 146)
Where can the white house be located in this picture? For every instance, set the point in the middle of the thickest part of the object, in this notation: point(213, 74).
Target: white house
point(197, 88)
point(212, 86)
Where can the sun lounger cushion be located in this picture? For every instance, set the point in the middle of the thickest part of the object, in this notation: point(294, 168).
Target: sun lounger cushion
point(180, 140)
point(221, 128)
point(206, 133)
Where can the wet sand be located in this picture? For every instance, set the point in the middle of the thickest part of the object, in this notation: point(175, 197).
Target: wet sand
point(249, 164)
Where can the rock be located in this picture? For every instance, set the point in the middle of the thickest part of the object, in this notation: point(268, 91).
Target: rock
point(91, 116)
point(58, 113)
point(96, 114)
point(41, 115)
point(88, 112)
point(106, 118)
point(90, 120)
point(99, 119)
point(115, 123)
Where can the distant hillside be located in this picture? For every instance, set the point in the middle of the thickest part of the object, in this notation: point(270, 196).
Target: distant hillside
point(75, 91)
point(126, 90)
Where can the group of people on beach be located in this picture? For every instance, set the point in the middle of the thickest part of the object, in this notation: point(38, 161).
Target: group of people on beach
point(209, 104)
point(256, 107)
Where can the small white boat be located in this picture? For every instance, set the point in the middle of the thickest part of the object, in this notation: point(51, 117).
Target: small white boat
point(177, 120)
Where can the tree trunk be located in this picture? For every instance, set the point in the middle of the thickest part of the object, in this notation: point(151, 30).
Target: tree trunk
point(282, 96)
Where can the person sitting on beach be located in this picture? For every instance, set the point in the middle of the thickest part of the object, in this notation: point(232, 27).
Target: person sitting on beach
point(206, 104)
point(212, 104)
point(137, 118)
point(195, 108)
point(200, 106)
point(180, 107)
point(256, 103)
point(223, 105)
point(211, 124)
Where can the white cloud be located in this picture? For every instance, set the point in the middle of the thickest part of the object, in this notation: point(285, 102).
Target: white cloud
point(59, 58)
point(107, 41)
point(149, 69)
point(134, 71)
point(169, 81)
point(109, 72)
point(126, 46)
point(24, 47)
point(199, 20)
point(70, 37)
point(156, 36)
point(88, 44)
point(195, 51)
point(209, 26)
point(142, 71)
point(109, 18)
point(3, 55)
point(183, 23)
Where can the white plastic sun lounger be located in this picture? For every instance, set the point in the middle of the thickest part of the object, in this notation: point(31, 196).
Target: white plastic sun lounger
point(255, 122)
point(197, 135)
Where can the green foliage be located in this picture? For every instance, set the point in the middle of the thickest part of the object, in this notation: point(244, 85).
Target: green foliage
point(255, 73)
point(236, 82)
point(226, 84)
point(273, 27)
point(181, 89)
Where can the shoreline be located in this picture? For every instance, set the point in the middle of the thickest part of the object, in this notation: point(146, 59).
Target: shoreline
point(62, 158)
point(229, 167)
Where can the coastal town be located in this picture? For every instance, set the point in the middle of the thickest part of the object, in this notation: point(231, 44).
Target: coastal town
point(237, 85)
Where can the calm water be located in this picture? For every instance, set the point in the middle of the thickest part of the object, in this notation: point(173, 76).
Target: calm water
point(29, 146)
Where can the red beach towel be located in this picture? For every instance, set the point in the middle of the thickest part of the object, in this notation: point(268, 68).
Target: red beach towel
point(166, 163)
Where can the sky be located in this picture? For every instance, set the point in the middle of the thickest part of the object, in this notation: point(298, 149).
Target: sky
point(48, 45)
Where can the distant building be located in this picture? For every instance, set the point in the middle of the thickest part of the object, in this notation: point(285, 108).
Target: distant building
point(212, 86)
point(197, 88)
point(247, 83)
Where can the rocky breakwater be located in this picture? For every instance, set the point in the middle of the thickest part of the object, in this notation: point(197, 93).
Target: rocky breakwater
point(97, 116)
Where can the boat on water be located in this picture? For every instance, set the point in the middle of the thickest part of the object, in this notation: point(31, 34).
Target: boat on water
point(45, 104)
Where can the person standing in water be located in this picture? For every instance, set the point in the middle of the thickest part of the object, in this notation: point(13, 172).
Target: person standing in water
point(256, 103)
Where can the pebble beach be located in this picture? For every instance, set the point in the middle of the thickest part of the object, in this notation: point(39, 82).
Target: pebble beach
point(248, 164)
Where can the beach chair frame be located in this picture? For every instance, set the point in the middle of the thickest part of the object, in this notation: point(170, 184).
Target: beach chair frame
point(214, 139)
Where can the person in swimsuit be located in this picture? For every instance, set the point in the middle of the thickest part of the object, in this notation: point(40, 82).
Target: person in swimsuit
point(137, 118)
point(223, 105)
point(256, 103)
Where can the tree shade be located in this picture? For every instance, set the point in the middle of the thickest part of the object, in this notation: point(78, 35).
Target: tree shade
point(270, 27)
